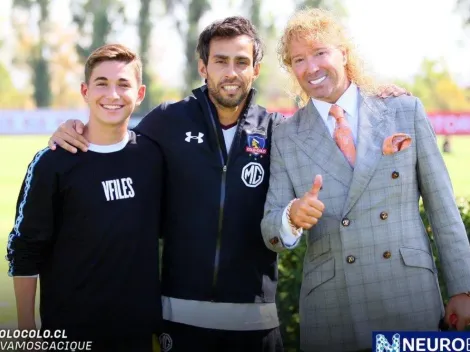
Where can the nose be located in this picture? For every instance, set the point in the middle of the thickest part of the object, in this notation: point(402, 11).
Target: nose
point(112, 93)
point(230, 71)
point(312, 65)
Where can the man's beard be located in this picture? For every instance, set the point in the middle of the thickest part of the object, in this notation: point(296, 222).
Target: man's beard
point(221, 100)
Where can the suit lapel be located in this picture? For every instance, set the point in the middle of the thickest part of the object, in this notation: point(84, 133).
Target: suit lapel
point(374, 119)
point(314, 139)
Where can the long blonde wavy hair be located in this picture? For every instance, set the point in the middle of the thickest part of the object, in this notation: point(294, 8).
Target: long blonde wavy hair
point(321, 26)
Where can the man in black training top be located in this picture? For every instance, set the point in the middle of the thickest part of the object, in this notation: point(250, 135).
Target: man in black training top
point(87, 224)
point(219, 280)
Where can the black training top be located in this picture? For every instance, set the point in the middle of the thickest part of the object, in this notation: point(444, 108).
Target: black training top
point(88, 224)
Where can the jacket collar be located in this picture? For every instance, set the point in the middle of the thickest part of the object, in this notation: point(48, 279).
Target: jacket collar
point(245, 120)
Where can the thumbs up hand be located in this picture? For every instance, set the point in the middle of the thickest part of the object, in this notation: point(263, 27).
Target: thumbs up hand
point(306, 211)
point(317, 184)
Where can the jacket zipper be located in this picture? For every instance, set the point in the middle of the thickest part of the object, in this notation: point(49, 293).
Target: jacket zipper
point(222, 195)
point(219, 232)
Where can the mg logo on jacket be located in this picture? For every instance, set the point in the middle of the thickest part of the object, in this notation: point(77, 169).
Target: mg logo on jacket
point(166, 343)
point(253, 174)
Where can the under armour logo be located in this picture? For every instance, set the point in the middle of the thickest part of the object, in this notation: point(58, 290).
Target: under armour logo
point(190, 136)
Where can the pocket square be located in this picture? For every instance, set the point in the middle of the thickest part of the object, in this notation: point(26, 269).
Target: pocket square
point(396, 143)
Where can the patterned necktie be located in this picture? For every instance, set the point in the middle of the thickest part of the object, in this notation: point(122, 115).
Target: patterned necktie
point(343, 135)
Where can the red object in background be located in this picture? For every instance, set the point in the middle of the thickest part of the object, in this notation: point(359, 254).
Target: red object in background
point(45, 121)
point(450, 123)
point(443, 123)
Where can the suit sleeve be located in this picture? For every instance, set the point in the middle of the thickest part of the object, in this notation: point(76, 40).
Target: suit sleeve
point(289, 239)
point(439, 201)
point(280, 193)
point(34, 221)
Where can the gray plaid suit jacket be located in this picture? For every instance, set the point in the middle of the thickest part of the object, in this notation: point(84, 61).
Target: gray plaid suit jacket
point(369, 264)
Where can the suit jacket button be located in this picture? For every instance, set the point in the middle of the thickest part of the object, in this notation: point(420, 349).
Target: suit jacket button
point(384, 215)
point(274, 241)
point(387, 254)
point(345, 222)
point(395, 174)
point(350, 259)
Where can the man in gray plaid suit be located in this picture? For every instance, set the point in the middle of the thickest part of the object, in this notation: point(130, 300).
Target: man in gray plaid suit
point(347, 172)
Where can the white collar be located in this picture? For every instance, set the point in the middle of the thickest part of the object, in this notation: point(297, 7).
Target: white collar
point(348, 101)
point(110, 148)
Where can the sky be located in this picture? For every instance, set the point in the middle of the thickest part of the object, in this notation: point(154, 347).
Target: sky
point(392, 36)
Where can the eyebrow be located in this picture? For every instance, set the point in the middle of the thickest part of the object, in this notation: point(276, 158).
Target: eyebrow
point(313, 50)
point(220, 56)
point(105, 79)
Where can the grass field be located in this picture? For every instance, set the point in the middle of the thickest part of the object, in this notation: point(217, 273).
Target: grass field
point(18, 151)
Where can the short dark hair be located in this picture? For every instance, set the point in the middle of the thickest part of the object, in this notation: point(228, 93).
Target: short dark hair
point(113, 52)
point(229, 27)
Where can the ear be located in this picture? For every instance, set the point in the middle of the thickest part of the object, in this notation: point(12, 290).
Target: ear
point(201, 67)
point(256, 71)
point(84, 91)
point(141, 95)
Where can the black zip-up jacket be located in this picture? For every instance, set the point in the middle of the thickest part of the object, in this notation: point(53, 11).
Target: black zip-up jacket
point(213, 201)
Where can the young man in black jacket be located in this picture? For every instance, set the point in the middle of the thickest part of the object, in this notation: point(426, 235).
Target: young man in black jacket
point(87, 224)
point(219, 280)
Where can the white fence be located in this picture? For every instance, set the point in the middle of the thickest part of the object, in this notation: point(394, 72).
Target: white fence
point(20, 122)
point(46, 121)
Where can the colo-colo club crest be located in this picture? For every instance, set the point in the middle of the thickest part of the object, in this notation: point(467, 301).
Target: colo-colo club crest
point(256, 143)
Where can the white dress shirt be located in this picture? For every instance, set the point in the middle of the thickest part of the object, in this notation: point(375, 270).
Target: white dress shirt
point(349, 102)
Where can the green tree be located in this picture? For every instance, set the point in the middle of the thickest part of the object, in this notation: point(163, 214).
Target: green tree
point(254, 7)
point(10, 97)
point(196, 10)
point(95, 21)
point(264, 28)
point(290, 280)
point(189, 32)
point(437, 89)
point(37, 59)
point(272, 81)
point(66, 69)
point(145, 30)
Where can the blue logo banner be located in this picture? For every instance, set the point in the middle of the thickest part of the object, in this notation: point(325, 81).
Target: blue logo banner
point(420, 341)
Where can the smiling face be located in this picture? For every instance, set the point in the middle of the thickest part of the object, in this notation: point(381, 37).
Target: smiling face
point(319, 68)
point(229, 72)
point(112, 92)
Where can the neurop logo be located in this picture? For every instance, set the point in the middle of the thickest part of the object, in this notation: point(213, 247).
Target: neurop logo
point(190, 137)
point(383, 345)
point(421, 341)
